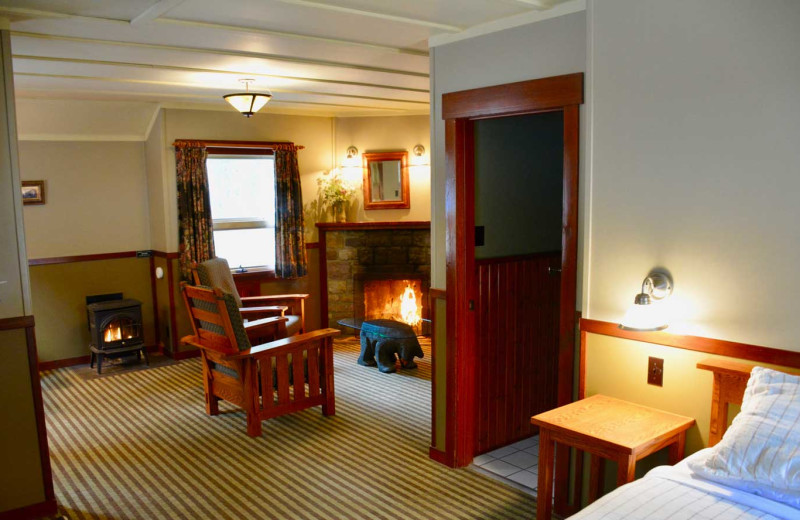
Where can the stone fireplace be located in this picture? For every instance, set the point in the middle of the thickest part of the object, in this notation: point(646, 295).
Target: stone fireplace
point(369, 267)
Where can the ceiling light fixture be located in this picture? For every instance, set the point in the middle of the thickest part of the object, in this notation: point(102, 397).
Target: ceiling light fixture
point(248, 103)
point(646, 314)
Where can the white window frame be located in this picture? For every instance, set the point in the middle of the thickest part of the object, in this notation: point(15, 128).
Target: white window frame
point(243, 223)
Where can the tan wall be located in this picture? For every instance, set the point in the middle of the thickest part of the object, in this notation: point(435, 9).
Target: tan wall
point(21, 478)
point(96, 198)
point(155, 162)
point(710, 190)
point(547, 48)
point(59, 301)
point(378, 134)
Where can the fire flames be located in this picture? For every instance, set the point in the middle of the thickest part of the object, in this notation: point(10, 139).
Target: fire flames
point(112, 334)
point(409, 311)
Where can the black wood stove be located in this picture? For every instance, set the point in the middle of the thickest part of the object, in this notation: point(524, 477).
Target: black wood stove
point(116, 330)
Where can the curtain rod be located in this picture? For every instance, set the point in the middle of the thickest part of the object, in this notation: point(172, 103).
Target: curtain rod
point(235, 144)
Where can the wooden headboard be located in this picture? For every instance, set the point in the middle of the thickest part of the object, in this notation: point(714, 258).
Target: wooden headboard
point(730, 380)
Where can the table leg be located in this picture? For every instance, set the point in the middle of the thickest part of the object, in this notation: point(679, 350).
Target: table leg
point(597, 466)
point(544, 503)
point(677, 448)
point(626, 471)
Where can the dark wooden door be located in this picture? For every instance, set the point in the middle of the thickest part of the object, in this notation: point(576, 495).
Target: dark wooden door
point(518, 192)
point(460, 110)
point(517, 316)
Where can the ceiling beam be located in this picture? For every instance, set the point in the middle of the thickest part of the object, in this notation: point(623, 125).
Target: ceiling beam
point(155, 11)
point(208, 99)
point(373, 14)
point(214, 71)
point(222, 52)
point(37, 13)
point(207, 87)
point(539, 5)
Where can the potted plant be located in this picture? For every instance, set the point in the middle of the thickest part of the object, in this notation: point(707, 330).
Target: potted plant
point(335, 193)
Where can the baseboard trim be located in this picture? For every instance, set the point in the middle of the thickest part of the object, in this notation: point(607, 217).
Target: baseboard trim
point(46, 508)
point(80, 360)
point(440, 457)
point(186, 354)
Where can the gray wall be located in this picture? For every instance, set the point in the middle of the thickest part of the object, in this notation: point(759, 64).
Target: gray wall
point(519, 184)
point(695, 164)
point(547, 48)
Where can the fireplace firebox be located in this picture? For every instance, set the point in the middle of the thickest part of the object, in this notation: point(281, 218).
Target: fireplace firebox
point(399, 296)
point(115, 327)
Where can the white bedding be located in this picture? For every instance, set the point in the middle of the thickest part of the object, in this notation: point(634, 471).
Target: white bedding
point(676, 493)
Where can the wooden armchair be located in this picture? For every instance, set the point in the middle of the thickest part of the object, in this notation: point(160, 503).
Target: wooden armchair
point(281, 376)
point(217, 273)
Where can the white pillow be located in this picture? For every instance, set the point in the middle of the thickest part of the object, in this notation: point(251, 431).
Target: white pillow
point(760, 452)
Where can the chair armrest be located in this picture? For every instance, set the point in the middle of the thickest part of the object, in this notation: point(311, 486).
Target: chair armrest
point(221, 348)
point(251, 301)
point(264, 323)
point(255, 313)
point(286, 345)
point(266, 329)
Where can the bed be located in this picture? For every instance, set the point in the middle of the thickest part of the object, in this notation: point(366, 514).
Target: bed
point(751, 470)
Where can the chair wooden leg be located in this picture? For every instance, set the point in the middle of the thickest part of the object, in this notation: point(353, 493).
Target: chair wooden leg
point(250, 382)
point(212, 402)
point(329, 406)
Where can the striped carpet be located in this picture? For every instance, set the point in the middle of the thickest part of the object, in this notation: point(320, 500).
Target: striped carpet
point(138, 445)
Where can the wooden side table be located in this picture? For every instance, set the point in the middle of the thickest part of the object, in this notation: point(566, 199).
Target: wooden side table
point(609, 428)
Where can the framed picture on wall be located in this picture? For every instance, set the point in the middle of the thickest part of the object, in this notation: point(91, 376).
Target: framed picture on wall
point(33, 192)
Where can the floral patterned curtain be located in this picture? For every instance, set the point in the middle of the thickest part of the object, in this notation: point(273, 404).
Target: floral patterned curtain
point(290, 248)
point(195, 229)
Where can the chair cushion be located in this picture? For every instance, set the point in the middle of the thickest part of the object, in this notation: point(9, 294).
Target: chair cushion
point(236, 321)
point(237, 324)
point(217, 273)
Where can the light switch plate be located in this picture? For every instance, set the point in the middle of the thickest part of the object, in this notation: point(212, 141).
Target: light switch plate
point(655, 371)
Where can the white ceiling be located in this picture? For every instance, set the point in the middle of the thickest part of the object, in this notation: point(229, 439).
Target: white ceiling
point(321, 57)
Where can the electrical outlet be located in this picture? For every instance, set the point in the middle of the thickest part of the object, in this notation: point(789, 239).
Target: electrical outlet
point(655, 371)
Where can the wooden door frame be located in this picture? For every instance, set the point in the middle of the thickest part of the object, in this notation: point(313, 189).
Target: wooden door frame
point(460, 110)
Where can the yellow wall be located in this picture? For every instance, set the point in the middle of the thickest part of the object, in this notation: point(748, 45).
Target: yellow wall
point(379, 134)
point(618, 368)
point(20, 478)
point(59, 301)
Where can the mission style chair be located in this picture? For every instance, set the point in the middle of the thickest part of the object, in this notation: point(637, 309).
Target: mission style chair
point(217, 273)
point(280, 376)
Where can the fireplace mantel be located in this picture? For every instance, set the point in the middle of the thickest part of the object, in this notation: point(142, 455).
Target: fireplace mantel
point(361, 226)
point(333, 236)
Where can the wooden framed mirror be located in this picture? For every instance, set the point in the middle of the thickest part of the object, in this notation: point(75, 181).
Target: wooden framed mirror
point(386, 180)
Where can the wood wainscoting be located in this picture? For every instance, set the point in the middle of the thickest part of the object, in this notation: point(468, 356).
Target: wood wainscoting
point(517, 336)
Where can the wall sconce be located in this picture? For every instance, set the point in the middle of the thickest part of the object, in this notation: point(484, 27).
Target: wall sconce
point(647, 313)
point(351, 159)
point(418, 158)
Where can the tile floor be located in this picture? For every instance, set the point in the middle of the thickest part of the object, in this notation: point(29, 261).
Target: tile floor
point(516, 464)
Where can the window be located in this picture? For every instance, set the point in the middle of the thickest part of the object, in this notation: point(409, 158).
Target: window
point(242, 193)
